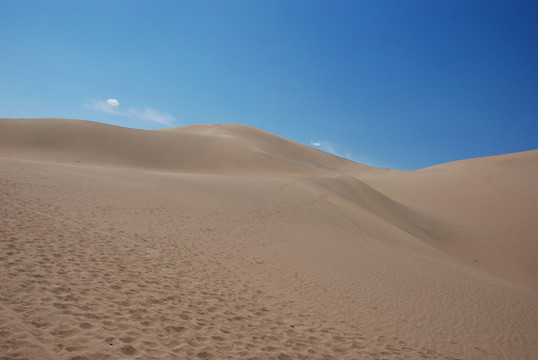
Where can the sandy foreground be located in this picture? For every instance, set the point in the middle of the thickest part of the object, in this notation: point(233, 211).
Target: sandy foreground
point(227, 242)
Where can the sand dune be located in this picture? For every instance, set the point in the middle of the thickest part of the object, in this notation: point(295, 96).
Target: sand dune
point(225, 241)
point(229, 149)
point(491, 204)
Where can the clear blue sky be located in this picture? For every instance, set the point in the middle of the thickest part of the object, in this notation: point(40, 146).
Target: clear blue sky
point(398, 84)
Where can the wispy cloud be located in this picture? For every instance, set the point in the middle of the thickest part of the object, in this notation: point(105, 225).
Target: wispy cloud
point(341, 151)
point(152, 115)
point(112, 106)
point(326, 146)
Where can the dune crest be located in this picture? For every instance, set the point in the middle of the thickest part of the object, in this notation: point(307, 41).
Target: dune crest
point(225, 241)
point(230, 149)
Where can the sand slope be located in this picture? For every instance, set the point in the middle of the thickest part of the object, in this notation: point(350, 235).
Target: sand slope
point(229, 149)
point(491, 203)
point(224, 241)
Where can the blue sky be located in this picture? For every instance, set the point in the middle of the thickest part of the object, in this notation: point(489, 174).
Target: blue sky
point(397, 84)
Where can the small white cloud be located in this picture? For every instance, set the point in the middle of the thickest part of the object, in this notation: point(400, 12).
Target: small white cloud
point(112, 106)
point(113, 103)
point(338, 150)
point(109, 106)
point(326, 146)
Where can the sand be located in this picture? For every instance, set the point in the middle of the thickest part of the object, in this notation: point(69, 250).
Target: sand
point(227, 242)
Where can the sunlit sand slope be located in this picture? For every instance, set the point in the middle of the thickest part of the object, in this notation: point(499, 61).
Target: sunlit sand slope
point(490, 204)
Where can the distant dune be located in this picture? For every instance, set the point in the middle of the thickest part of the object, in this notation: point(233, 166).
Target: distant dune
point(225, 241)
point(228, 148)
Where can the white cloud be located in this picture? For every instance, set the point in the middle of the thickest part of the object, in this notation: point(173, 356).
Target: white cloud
point(326, 146)
point(113, 102)
point(338, 150)
point(109, 106)
point(112, 106)
point(152, 115)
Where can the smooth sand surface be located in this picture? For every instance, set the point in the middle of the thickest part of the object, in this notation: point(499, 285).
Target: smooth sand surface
point(227, 242)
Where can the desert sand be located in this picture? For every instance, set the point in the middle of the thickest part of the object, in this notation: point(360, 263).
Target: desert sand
point(228, 242)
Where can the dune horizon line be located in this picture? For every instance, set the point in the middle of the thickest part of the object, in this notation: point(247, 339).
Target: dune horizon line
point(173, 128)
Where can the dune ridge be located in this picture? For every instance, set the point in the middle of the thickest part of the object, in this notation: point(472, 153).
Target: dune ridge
point(218, 149)
point(225, 241)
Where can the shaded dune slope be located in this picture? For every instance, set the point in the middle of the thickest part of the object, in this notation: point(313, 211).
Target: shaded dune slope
point(421, 224)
